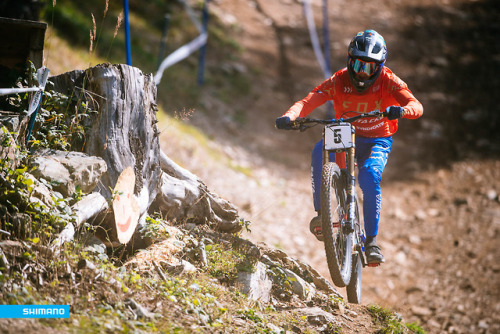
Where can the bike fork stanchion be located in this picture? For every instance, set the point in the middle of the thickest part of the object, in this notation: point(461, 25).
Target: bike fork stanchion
point(351, 188)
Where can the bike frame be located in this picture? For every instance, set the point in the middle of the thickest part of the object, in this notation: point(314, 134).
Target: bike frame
point(343, 239)
point(345, 159)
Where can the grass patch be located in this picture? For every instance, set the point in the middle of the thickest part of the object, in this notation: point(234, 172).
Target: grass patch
point(391, 323)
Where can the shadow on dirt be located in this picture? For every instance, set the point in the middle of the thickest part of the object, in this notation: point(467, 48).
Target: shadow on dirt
point(448, 55)
point(456, 54)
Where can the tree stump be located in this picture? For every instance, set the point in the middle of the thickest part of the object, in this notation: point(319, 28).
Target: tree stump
point(124, 134)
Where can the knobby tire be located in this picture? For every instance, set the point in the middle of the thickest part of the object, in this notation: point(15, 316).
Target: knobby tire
point(338, 245)
point(354, 286)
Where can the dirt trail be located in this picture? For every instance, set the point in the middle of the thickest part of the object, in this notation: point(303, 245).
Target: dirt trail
point(440, 225)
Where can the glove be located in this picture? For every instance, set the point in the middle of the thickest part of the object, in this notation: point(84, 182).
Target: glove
point(394, 112)
point(283, 123)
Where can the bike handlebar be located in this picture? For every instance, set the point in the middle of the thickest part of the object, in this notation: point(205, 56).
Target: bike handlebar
point(301, 122)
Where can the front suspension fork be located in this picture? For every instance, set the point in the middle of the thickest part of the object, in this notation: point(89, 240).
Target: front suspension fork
point(351, 192)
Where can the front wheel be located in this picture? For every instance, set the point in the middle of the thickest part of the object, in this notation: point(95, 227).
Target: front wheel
point(338, 243)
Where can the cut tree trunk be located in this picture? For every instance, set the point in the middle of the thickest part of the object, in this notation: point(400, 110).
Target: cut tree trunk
point(124, 134)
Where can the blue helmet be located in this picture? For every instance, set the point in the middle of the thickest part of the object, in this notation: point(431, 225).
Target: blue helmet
point(367, 53)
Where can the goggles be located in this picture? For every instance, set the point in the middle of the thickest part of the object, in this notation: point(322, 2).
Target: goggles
point(363, 67)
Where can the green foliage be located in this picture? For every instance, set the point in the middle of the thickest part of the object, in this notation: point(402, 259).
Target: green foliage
point(155, 228)
point(24, 215)
point(250, 314)
point(282, 283)
point(62, 122)
point(224, 263)
point(391, 323)
point(87, 23)
point(415, 328)
point(245, 224)
point(25, 211)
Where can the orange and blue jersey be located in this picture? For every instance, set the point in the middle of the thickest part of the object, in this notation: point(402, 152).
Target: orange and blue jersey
point(373, 135)
point(387, 90)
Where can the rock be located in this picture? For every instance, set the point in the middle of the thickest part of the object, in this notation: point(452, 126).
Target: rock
point(401, 258)
point(420, 311)
point(239, 322)
point(351, 313)
point(272, 253)
point(183, 267)
point(319, 281)
point(85, 264)
point(398, 213)
point(256, 285)
point(8, 151)
point(414, 239)
point(3, 260)
point(93, 244)
point(139, 310)
point(298, 286)
point(420, 215)
point(266, 260)
point(316, 316)
point(323, 284)
point(483, 324)
point(274, 328)
point(433, 212)
point(41, 193)
point(68, 171)
point(11, 247)
point(492, 195)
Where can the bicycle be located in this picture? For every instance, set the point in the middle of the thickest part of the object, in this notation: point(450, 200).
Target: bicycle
point(341, 228)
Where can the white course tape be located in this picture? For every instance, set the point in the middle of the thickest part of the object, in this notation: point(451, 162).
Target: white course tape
point(311, 26)
point(180, 54)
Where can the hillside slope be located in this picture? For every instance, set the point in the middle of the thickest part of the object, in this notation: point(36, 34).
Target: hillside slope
point(441, 213)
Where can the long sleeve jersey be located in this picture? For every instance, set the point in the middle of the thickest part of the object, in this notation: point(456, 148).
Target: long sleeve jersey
point(387, 90)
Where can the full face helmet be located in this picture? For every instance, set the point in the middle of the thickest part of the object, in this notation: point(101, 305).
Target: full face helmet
point(366, 56)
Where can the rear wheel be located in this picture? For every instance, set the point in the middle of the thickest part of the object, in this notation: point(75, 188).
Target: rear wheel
point(354, 286)
point(338, 244)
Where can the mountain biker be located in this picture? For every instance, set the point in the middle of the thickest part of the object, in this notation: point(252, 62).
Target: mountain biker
point(364, 85)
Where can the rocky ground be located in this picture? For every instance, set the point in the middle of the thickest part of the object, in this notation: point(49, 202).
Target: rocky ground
point(441, 215)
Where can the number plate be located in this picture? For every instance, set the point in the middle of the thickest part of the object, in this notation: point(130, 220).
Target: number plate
point(338, 136)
